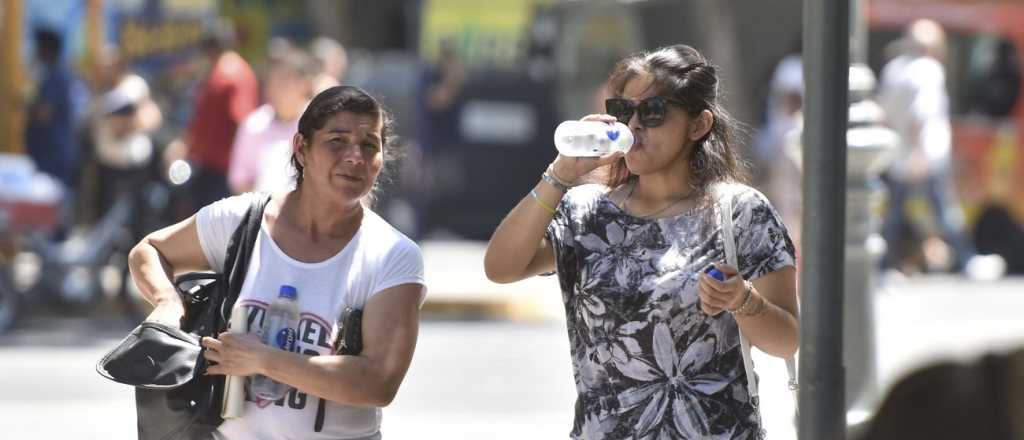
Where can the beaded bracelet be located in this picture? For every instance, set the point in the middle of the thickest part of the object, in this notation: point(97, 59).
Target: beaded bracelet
point(757, 307)
point(742, 309)
point(550, 177)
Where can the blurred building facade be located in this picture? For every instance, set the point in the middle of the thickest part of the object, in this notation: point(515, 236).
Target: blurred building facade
point(556, 51)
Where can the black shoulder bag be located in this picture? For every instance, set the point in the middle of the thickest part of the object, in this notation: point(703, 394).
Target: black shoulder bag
point(173, 397)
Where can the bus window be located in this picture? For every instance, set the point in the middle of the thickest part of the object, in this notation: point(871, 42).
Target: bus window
point(993, 75)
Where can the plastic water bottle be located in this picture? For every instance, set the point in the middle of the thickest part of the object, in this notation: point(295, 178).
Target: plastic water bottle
point(715, 273)
point(592, 138)
point(279, 330)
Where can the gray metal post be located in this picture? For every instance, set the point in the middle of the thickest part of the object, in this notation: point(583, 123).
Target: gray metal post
point(869, 145)
point(826, 61)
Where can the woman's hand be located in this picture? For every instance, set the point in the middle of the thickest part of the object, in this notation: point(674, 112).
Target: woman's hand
point(235, 354)
point(570, 169)
point(716, 296)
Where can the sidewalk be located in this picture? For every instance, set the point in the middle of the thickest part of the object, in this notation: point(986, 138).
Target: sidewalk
point(919, 320)
point(502, 378)
point(457, 287)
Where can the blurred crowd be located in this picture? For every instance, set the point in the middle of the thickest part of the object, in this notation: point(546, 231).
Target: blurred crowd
point(236, 139)
point(95, 132)
point(101, 132)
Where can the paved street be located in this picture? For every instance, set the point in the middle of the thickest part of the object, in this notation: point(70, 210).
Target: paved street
point(484, 378)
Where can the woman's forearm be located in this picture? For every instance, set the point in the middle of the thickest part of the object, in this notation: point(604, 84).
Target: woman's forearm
point(350, 380)
point(770, 328)
point(152, 275)
point(518, 238)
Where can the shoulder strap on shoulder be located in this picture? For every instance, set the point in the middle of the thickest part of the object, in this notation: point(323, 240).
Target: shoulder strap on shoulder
point(236, 263)
point(724, 198)
point(725, 204)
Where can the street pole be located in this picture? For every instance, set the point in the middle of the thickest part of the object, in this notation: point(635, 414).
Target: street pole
point(13, 96)
point(826, 69)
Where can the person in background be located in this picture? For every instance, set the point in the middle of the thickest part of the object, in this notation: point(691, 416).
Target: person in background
point(262, 144)
point(122, 117)
point(777, 144)
point(655, 341)
point(228, 94)
point(323, 239)
point(333, 61)
point(912, 91)
point(52, 123)
point(438, 106)
point(439, 99)
point(948, 400)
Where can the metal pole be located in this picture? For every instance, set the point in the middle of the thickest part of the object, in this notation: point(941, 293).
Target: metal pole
point(858, 33)
point(826, 69)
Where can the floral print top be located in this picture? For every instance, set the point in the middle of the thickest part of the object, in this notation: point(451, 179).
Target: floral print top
point(648, 363)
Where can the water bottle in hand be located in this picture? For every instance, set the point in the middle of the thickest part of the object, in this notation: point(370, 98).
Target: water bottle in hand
point(715, 273)
point(280, 328)
point(592, 138)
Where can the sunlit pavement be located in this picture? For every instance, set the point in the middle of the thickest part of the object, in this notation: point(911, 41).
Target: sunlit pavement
point(486, 378)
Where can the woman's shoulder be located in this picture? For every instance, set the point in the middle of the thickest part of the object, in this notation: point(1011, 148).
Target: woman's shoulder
point(232, 207)
point(383, 236)
point(742, 195)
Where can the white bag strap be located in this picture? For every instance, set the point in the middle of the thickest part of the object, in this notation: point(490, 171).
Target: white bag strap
point(731, 258)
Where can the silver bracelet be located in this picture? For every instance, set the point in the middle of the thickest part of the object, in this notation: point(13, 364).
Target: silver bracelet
point(742, 309)
point(549, 177)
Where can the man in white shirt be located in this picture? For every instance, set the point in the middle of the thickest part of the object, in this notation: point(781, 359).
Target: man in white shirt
point(913, 93)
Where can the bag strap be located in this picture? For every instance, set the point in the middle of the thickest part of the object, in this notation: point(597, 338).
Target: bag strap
point(732, 259)
point(236, 262)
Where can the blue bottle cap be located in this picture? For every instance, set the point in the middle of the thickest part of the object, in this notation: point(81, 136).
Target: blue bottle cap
point(287, 292)
point(716, 274)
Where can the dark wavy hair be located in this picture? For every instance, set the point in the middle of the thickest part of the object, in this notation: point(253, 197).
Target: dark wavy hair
point(354, 100)
point(682, 73)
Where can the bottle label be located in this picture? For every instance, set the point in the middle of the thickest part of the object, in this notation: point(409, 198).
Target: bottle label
point(613, 134)
point(285, 339)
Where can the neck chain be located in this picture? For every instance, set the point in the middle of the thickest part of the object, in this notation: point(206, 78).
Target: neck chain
point(658, 211)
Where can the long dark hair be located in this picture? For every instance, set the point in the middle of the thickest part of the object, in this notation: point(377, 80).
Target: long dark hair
point(682, 73)
point(354, 100)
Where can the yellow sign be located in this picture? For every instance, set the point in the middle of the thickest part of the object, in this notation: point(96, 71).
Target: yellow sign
point(483, 32)
point(140, 39)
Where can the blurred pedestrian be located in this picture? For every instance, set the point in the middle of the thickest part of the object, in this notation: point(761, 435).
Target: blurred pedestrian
point(333, 61)
point(52, 129)
point(777, 147)
point(439, 99)
point(229, 92)
point(262, 146)
point(122, 117)
point(322, 239)
point(654, 355)
point(912, 91)
point(438, 108)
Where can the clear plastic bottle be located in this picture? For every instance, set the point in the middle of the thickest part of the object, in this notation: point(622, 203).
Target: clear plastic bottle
point(280, 328)
point(592, 138)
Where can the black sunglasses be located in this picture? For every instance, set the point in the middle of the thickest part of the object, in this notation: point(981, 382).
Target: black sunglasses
point(651, 111)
